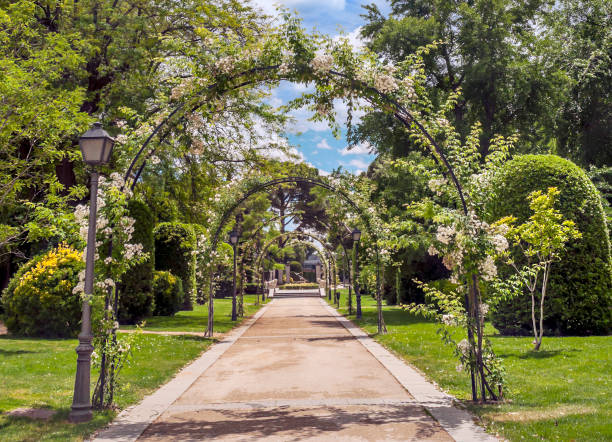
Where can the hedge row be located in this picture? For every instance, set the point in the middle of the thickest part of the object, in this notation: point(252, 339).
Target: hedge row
point(175, 245)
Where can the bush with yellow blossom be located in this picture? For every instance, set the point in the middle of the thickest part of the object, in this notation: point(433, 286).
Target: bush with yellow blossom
point(39, 301)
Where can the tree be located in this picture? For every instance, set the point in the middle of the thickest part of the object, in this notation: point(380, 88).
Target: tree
point(490, 50)
point(581, 32)
point(541, 240)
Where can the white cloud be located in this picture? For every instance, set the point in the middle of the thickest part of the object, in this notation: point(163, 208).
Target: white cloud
point(359, 149)
point(324, 145)
point(358, 163)
point(354, 38)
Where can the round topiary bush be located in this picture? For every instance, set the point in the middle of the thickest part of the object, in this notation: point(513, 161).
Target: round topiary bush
point(168, 290)
point(581, 283)
point(136, 300)
point(39, 300)
point(175, 245)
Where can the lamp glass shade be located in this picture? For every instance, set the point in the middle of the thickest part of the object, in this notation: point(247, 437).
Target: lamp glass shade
point(96, 145)
point(233, 237)
point(356, 234)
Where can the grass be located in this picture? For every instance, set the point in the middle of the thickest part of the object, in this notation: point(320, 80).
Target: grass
point(563, 392)
point(196, 320)
point(40, 373)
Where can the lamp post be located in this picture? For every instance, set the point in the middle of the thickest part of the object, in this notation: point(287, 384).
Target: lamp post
point(96, 147)
point(356, 237)
point(233, 238)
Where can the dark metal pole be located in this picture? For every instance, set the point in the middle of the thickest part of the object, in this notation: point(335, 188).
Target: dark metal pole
point(81, 401)
point(356, 281)
point(234, 316)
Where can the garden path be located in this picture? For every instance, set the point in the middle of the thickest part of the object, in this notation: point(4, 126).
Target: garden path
point(296, 371)
point(296, 374)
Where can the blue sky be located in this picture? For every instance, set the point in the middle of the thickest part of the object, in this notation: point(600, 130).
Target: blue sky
point(314, 141)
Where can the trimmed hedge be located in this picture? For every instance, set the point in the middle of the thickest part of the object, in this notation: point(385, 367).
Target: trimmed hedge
point(175, 245)
point(168, 291)
point(39, 300)
point(136, 300)
point(580, 288)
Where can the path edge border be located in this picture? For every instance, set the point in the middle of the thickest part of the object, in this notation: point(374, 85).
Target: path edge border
point(132, 422)
point(457, 422)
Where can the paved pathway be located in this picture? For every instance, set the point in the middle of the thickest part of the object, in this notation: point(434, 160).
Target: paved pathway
point(299, 373)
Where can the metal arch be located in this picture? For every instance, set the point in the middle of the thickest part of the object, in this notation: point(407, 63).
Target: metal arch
point(328, 261)
point(401, 113)
point(293, 179)
point(328, 227)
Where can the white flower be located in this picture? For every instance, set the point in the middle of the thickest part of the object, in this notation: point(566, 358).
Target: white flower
point(385, 83)
point(432, 251)
point(488, 269)
point(464, 347)
point(225, 65)
point(322, 63)
point(484, 309)
point(436, 185)
point(154, 160)
point(117, 180)
point(108, 260)
point(449, 320)
point(500, 243)
point(445, 234)
point(121, 139)
point(284, 69)
point(109, 282)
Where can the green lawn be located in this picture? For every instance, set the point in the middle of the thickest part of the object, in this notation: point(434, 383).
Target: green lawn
point(196, 320)
point(40, 373)
point(563, 392)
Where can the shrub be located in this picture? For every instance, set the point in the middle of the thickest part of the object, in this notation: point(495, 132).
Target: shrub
point(175, 245)
point(252, 288)
point(136, 300)
point(168, 290)
point(296, 266)
point(39, 300)
point(581, 284)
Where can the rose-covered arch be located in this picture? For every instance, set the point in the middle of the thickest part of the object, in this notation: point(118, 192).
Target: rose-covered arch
point(291, 55)
point(276, 218)
point(253, 187)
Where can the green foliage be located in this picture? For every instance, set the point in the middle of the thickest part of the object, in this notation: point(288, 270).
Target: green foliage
point(175, 244)
point(581, 283)
point(39, 300)
point(168, 291)
point(136, 300)
point(296, 266)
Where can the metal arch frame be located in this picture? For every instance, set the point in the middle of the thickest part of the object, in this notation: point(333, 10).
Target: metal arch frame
point(292, 179)
point(369, 93)
point(400, 112)
point(321, 252)
point(325, 225)
point(295, 235)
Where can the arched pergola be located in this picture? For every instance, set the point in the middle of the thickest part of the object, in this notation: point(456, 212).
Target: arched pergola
point(301, 71)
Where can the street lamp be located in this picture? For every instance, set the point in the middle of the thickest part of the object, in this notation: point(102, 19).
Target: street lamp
point(96, 147)
point(356, 237)
point(233, 239)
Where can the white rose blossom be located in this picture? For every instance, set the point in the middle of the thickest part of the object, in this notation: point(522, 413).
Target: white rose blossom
point(464, 347)
point(385, 83)
point(322, 63)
